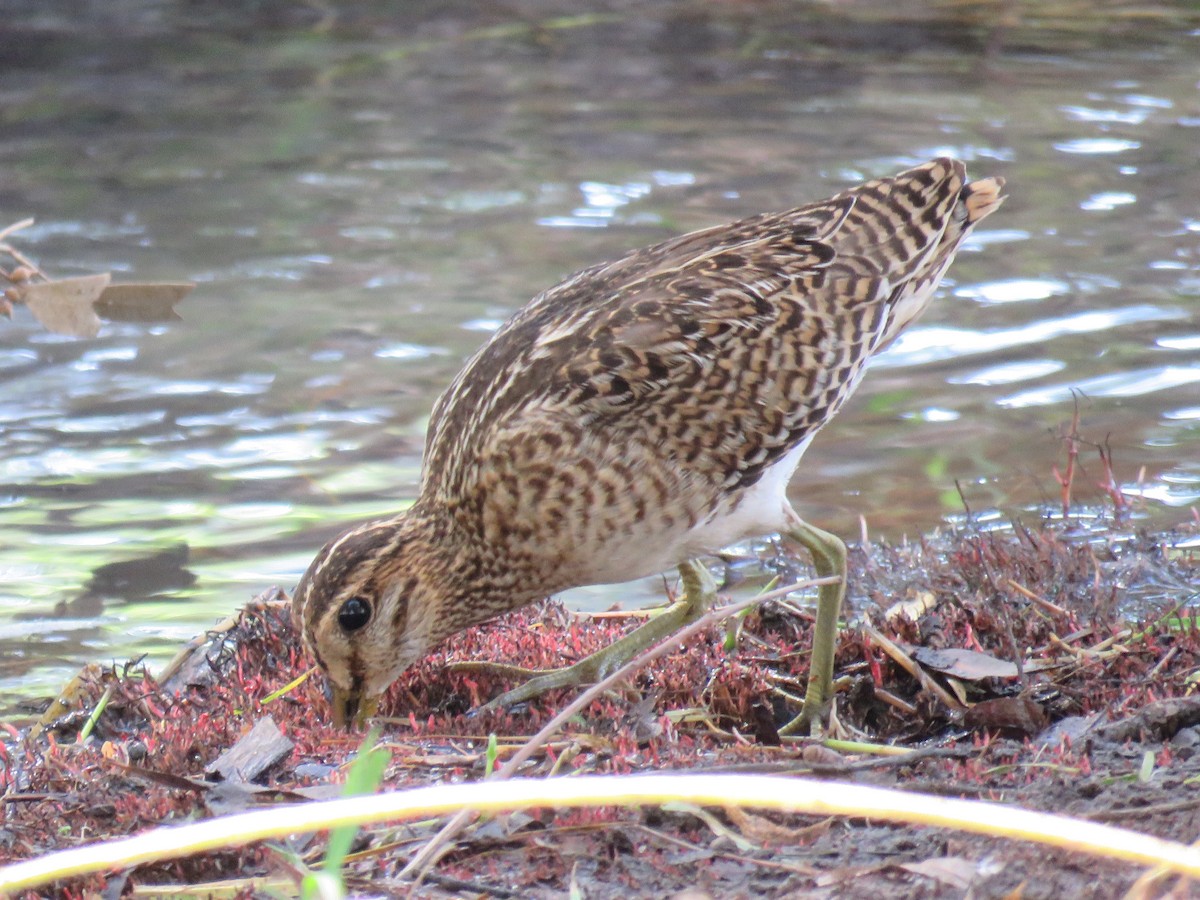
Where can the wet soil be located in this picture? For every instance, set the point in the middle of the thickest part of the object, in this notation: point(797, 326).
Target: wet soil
point(1021, 664)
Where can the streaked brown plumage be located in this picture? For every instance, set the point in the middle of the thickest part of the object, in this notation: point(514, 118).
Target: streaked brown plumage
point(642, 413)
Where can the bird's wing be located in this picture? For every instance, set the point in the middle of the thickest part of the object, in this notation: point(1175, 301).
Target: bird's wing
point(729, 345)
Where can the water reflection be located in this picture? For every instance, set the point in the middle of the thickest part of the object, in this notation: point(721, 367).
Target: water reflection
point(1014, 290)
point(363, 206)
point(921, 346)
point(1011, 372)
point(1096, 145)
point(1107, 200)
point(1124, 384)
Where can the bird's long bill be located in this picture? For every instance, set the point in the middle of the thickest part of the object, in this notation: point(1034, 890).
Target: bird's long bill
point(351, 708)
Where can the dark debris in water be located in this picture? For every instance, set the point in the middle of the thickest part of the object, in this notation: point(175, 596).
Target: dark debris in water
point(1008, 658)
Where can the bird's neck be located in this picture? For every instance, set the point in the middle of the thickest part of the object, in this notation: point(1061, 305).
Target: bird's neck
point(476, 581)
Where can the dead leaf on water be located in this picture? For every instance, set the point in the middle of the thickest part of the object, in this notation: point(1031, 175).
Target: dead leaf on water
point(67, 306)
point(147, 302)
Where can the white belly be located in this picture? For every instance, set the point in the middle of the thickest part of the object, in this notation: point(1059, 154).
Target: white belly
point(762, 510)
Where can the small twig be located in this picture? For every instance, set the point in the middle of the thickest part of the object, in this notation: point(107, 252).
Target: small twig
point(290, 686)
point(1066, 479)
point(1152, 675)
point(1141, 812)
point(1110, 485)
point(620, 614)
point(439, 843)
point(23, 260)
point(745, 859)
point(910, 665)
point(86, 731)
point(789, 795)
point(1037, 599)
point(476, 888)
point(14, 227)
point(962, 497)
point(1018, 657)
point(891, 699)
point(908, 758)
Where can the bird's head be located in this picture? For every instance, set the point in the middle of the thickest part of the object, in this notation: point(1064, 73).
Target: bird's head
point(365, 608)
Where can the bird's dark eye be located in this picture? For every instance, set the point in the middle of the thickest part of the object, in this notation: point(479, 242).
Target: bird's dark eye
point(354, 614)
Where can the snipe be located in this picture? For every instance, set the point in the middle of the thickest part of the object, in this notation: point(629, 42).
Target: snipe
point(641, 414)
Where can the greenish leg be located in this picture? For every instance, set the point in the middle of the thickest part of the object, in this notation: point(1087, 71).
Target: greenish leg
point(829, 558)
point(699, 592)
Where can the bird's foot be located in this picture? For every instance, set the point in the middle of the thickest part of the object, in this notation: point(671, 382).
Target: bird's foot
point(699, 593)
point(535, 682)
point(829, 559)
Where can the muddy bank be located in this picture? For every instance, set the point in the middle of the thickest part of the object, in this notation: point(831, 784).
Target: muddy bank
point(1045, 664)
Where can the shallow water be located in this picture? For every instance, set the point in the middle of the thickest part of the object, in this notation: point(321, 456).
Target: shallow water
point(362, 200)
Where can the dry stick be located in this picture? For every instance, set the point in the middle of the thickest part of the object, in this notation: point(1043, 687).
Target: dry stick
point(437, 845)
point(23, 260)
point(811, 797)
point(911, 666)
point(15, 226)
point(1037, 599)
point(16, 254)
point(1066, 479)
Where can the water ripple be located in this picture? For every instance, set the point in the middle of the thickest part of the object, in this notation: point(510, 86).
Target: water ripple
point(919, 346)
point(1108, 200)
point(1180, 342)
point(1121, 384)
point(1010, 372)
point(602, 202)
point(1091, 146)
point(401, 350)
point(1172, 489)
point(1014, 290)
point(1107, 116)
point(108, 424)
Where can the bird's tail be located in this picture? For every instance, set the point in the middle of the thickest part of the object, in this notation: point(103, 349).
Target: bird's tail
point(979, 199)
point(976, 200)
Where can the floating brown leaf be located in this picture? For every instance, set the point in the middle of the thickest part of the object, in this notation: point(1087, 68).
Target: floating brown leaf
point(67, 306)
point(147, 302)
